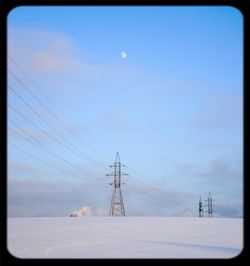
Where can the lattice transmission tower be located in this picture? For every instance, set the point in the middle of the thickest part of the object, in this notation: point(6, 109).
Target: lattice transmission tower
point(117, 206)
point(200, 208)
point(210, 205)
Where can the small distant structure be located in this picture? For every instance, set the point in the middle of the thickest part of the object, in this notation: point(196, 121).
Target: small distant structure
point(200, 208)
point(209, 207)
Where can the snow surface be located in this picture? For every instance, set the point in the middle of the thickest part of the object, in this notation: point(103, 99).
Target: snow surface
point(125, 237)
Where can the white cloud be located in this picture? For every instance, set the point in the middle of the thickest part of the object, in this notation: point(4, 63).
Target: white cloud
point(227, 166)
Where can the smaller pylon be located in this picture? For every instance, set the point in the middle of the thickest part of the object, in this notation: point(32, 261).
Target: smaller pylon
point(209, 205)
point(200, 208)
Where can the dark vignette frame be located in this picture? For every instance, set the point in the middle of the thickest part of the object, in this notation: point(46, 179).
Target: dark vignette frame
point(5, 7)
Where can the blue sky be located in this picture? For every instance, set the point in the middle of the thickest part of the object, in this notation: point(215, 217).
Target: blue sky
point(172, 108)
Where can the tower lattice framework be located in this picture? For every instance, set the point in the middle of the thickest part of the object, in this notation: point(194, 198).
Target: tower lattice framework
point(209, 205)
point(117, 206)
point(200, 208)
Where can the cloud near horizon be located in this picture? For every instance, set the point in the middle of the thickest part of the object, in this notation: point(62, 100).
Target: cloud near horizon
point(224, 167)
point(41, 197)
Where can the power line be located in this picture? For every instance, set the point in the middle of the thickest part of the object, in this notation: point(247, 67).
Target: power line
point(42, 147)
point(48, 98)
point(33, 156)
point(46, 133)
point(35, 124)
point(152, 191)
point(47, 149)
point(85, 172)
point(32, 109)
point(139, 183)
point(58, 108)
point(41, 103)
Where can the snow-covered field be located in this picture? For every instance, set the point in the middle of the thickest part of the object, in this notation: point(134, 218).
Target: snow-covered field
point(125, 237)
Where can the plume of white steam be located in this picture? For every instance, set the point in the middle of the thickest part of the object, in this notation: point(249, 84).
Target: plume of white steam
point(87, 211)
point(83, 211)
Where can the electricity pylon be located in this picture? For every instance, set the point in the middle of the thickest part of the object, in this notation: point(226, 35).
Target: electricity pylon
point(209, 206)
point(200, 208)
point(116, 206)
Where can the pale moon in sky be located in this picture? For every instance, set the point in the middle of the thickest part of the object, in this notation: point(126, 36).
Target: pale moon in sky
point(123, 55)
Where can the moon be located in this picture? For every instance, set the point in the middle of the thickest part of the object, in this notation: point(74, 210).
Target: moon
point(123, 55)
